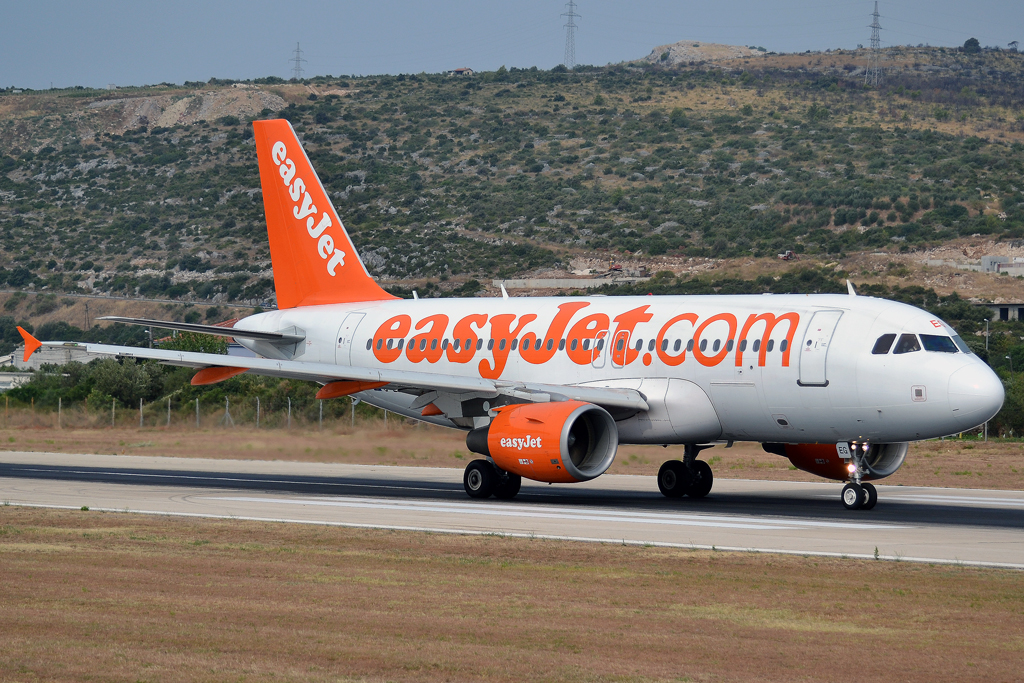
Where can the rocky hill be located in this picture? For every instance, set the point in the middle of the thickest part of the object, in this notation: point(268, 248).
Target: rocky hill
point(153, 192)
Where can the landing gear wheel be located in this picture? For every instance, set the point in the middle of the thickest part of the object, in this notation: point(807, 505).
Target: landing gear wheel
point(508, 486)
point(674, 479)
point(702, 479)
point(480, 479)
point(854, 496)
point(870, 496)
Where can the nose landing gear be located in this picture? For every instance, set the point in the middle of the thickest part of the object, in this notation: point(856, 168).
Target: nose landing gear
point(686, 477)
point(858, 495)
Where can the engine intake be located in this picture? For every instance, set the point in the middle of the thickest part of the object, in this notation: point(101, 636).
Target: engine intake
point(567, 441)
point(822, 459)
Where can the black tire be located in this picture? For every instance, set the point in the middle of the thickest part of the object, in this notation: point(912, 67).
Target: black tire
point(853, 496)
point(508, 486)
point(702, 479)
point(480, 479)
point(673, 479)
point(870, 496)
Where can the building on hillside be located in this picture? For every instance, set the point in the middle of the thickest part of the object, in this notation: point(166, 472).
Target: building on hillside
point(52, 355)
point(462, 71)
point(1010, 310)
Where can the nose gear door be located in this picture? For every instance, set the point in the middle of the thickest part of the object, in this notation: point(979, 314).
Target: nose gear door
point(814, 350)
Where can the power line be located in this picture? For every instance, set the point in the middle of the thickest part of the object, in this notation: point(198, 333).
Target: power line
point(298, 60)
point(873, 75)
point(570, 34)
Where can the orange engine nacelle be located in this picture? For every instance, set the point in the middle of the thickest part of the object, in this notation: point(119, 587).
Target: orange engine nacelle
point(563, 442)
point(823, 460)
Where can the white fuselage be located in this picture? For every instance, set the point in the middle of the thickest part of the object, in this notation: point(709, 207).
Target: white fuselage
point(809, 377)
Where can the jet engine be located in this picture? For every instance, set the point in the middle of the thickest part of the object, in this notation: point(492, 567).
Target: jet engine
point(822, 459)
point(563, 442)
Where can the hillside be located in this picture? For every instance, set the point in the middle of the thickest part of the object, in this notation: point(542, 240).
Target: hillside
point(671, 164)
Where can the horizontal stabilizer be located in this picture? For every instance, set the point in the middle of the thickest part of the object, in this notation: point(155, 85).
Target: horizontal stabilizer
point(208, 329)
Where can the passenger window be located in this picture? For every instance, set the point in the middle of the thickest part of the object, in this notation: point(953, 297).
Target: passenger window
point(401, 343)
point(771, 344)
point(883, 344)
point(743, 345)
point(561, 344)
point(551, 344)
point(502, 344)
point(938, 342)
point(703, 344)
point(620, 344)
point(728, 345)
point(664, 345)
point(907, 344)
point(639, 344)
point(689, 345)
point(479, 344)
point(650, 345)
point(490, 344)
point(757, 345)
point(369, 343)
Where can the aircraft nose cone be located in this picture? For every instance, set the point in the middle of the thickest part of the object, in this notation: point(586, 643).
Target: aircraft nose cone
point(975, 395)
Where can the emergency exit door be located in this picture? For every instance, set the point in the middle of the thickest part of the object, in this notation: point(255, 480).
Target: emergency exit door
point(814, 350)
point(346, 337)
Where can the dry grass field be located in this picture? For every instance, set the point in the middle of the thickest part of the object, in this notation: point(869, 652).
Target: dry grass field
point(116, 596)
point(966, 463)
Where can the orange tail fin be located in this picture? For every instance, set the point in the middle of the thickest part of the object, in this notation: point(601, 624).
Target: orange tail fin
point(313, 258)
point(31, 343)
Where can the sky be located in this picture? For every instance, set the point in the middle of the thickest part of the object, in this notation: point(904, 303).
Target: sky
point(67, 43)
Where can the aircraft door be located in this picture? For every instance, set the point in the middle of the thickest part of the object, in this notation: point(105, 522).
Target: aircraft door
point(619, 345)
point(600, 348)
point(814, 350)
point(346, 338)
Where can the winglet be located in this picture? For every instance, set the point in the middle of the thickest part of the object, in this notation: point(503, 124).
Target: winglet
point(850, 289)
point(31, 343)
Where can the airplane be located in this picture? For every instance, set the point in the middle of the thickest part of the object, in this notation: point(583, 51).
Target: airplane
point(546, 388)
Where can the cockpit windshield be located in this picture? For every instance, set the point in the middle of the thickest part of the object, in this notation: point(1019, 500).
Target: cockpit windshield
point(938, 342)
point(907, 344)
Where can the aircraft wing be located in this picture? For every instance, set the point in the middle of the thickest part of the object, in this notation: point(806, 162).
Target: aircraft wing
point(393, 379)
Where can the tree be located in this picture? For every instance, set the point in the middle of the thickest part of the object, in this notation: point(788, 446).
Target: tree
point(972, 46)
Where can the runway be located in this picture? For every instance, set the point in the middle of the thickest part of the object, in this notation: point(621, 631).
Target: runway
point(970, 526)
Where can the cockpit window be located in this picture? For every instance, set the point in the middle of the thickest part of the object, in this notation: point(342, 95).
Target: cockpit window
point(938, 342)
point(961, 344)
point(907, 344)
point(883, 344)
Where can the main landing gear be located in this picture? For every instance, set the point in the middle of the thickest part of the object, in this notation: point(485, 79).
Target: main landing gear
point(859, 496)
point(686, 477)
point(483, 480)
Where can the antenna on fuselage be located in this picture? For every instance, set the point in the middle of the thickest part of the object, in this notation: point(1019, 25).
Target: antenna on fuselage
point(850, 289)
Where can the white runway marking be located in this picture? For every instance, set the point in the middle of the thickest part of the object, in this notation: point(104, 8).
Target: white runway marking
point(537, 512)
point(556, 537)
point(963, 500)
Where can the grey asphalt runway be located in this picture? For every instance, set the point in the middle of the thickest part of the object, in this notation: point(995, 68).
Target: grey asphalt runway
point(970, 526)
